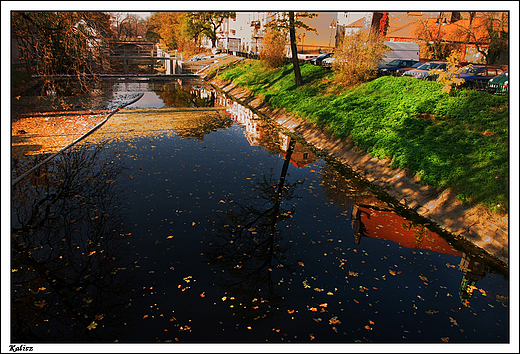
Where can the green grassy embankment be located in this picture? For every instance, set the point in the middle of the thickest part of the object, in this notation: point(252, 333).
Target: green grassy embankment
point(457, 141)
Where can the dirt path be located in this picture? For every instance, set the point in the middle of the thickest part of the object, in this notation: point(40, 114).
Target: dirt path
point(474, 224)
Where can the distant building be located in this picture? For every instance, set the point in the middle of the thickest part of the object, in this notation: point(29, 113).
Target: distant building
point(245, 33)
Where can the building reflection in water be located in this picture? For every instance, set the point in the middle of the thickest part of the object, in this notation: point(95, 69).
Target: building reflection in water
point(259, 132)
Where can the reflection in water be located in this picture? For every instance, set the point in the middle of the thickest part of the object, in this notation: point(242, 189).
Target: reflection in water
point(69, 273)
point(248, 244)
point(298, 263)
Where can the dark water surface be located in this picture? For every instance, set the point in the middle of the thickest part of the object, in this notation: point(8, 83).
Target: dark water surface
point(193, 224)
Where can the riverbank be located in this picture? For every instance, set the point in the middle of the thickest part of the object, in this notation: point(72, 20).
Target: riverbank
point(475, 224)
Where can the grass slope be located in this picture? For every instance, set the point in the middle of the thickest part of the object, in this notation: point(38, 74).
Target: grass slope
point(457, 141)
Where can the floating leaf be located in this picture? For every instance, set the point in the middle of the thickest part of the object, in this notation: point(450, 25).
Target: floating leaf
point(501, 298)
point(92, 326)
point(169, 237)
point(445, 339)
point(334, 321)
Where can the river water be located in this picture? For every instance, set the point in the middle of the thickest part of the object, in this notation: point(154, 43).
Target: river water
point(187, 218)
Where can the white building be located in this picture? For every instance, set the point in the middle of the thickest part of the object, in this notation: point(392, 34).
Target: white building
point(244, 33)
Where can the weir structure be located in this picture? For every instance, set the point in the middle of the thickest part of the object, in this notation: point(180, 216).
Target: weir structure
point(128, 52)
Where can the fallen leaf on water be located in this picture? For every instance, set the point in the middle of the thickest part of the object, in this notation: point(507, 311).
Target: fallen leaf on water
point(301, 263)
point(92, 326)
point(203, 294)
point(334, 321)
point(501, 298)
point(314, 309)
point(445, 339)
point(453, 322)
point(392, 272)
point(169, 237)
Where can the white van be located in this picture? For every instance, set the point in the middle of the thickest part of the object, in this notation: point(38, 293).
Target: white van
point(401, 50)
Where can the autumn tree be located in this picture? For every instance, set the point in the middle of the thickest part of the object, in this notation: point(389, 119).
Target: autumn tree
point(433, 35)
point(450, 77)
point(357, 57)
point(273, 52)
point(57, 43)
point(129, 25)
point(290, 22)
point(488, 31)
point(175, 30)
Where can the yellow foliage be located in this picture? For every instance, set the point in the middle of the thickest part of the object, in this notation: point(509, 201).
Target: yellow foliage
point(451, 76)
point(273, 52)
point(357, 58)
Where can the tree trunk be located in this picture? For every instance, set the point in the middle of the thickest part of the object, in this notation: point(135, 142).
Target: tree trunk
point(292, 32)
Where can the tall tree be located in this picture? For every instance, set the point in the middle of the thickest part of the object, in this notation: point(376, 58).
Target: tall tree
point(209, 23)
point(290, 22)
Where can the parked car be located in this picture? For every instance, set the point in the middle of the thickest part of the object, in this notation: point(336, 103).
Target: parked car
point(499, 84)
point(422, 72)
point(479, 75)
point(401, 71)
point(327, 62)
point(319, 59)
point(392, 66)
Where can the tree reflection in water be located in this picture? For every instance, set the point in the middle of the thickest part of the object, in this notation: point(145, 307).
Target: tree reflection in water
point(248, 245)
point(70, 280)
